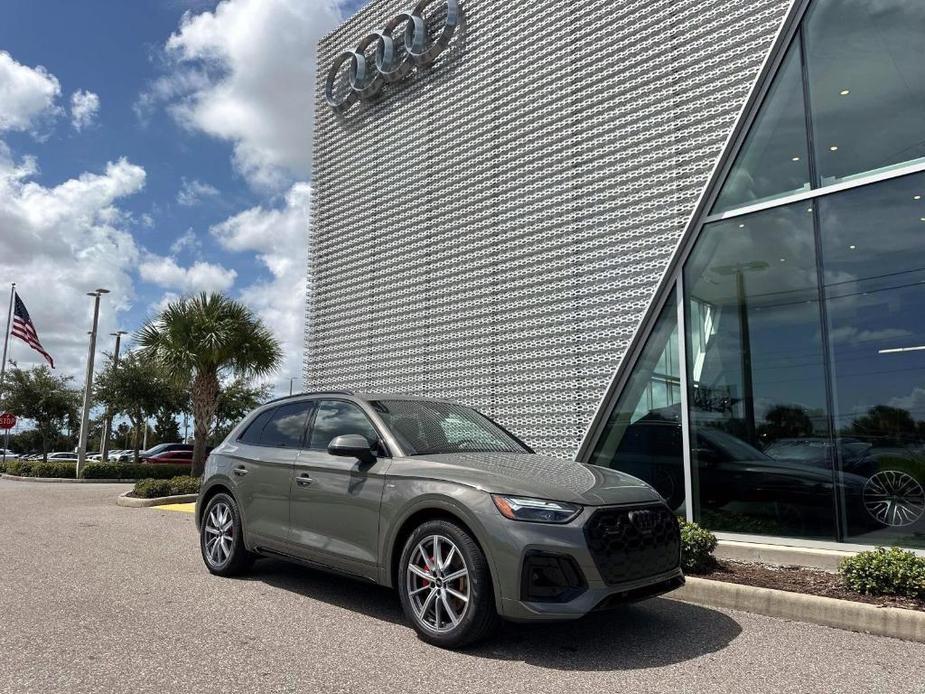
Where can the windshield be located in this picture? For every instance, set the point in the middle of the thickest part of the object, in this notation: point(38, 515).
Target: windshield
point(423, 427)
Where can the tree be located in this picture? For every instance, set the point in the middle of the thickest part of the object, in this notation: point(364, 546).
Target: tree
point(887, 425)
point(234, 402)
point(136, 388)
point(200, 339)
point(45, 398)
point(785, 422)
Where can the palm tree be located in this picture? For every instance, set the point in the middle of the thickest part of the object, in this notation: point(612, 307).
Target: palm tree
point(201, 338)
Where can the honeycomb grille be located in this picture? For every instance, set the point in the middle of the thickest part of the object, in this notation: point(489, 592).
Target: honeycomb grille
point(632, 543)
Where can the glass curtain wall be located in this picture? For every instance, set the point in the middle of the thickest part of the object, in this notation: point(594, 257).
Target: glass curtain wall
point(643, 435)
point(760, 454)
point(803, 322)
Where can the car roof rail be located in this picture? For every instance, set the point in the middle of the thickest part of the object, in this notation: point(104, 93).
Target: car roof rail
point(308, 394)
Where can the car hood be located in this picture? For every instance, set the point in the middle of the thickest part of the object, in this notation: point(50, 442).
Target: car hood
point(531, 475)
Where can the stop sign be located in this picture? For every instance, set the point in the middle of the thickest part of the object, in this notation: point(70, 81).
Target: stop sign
point(7, 420)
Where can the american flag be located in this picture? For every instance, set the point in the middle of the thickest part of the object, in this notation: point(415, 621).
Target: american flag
point(25, 330)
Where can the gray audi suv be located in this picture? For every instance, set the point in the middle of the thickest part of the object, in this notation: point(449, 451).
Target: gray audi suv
point(439, 502)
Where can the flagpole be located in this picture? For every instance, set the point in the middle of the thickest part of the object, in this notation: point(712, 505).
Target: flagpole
point(6, 346)
point(6, 335)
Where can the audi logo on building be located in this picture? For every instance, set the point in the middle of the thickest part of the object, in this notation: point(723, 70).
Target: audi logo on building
point(402, 44)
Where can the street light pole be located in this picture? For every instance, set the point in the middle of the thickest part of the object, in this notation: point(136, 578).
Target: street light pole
point(290, 384)
point(88, 385)
point(107, 423)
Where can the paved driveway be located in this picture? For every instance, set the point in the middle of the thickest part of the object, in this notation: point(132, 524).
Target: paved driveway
point(98, 598)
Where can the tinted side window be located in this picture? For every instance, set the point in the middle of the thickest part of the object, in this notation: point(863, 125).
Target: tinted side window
point(337, 418)
point(253, 431)
point(287, 425)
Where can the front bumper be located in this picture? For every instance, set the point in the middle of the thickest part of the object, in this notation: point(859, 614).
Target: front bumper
point(514, 541)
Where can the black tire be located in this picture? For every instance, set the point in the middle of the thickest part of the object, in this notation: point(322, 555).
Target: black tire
point(480, 616)
point(237, 560)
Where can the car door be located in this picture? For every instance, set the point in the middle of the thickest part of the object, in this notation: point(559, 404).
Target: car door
point(334, 506)
point(263, 460)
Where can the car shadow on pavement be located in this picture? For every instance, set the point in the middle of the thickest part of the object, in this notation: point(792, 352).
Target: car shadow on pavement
point(351, 594)
point(648, 634)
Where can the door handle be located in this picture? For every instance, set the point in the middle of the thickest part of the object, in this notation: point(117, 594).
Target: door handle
point(240, 471)
point(303, 480)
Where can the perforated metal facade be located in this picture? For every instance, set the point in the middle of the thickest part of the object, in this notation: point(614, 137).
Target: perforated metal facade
point(492, 230)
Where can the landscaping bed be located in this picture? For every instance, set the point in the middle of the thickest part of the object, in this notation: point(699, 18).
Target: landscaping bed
point(181, 485)
point(799, 580)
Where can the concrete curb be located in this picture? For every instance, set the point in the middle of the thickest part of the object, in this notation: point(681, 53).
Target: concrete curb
point(66, 480)
point(136, 502)
point(840, 614)
point(782, 555)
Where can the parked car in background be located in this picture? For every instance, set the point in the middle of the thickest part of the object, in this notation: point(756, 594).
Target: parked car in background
point(166, 448)
point(169, 458)
point(441, 503)
point(170, 453)
point(61, 456)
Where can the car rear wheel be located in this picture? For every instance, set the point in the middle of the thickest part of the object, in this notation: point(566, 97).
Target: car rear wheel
point(221, 538)
point(445, 586)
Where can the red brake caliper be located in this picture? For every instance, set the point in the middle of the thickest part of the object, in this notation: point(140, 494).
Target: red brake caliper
point(424, 581)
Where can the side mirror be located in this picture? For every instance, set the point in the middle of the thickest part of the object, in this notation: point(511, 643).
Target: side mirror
point(352, 446)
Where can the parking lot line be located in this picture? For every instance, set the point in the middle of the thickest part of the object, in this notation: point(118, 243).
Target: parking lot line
point(182, 508)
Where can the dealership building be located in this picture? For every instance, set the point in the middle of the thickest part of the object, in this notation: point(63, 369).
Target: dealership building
point(684, 239)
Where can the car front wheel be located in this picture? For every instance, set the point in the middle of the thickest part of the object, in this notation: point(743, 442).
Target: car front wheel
point(221, 538)
point(445, 586)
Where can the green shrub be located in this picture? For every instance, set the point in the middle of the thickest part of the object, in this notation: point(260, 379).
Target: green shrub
point(697, 545)
point(58, 470)
point(185, 484)
point(36, 468)
point(883, 571)
point(127, 471)
point(151, 489)
point(154, 488)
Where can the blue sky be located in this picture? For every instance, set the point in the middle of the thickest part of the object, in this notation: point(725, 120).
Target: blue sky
point(182, 163)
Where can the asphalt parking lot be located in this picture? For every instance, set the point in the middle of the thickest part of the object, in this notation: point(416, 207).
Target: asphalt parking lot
point(99, 598)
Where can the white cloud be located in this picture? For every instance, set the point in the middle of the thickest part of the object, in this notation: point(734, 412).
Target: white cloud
point(854, 335)
point(60, 242)
point(280, 238)
point(245, 73)
point(85, 106)
point(198, 277)
point(27, 96)
point(193, 192)
point(187, 241)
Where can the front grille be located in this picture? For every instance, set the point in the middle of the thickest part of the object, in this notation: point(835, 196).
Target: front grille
point(631, 543)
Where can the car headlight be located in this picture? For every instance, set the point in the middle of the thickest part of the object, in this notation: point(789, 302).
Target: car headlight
point(535, 510)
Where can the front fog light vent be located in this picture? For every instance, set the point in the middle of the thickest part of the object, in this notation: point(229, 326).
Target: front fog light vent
point(551, 578)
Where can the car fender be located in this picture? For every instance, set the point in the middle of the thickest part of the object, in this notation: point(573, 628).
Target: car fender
point(454, 499)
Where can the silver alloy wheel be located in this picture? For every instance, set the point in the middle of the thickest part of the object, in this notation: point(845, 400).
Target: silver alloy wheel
point(437, 583)
point(219, 531)
point(894, 498)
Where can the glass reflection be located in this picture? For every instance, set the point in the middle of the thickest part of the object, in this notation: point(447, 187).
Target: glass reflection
point(866, 67)
point(643, 434)
point(760, 452)
point(875, 291)
point(772, 161)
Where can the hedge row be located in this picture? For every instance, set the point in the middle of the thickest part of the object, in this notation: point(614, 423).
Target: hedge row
point(130, 471)
point(152, 489)
point(93, 471)
point(30, 468)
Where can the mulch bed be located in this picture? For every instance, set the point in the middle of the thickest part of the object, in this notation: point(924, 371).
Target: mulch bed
point(800, 580)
